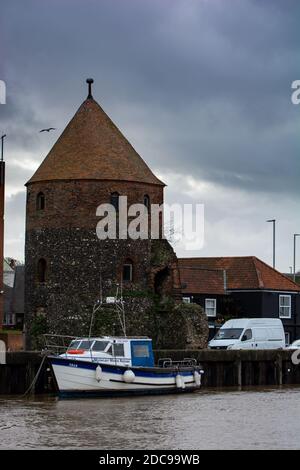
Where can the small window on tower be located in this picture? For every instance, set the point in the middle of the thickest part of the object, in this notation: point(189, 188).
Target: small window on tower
point(41, 270)
point(40, 202)
point(114, 200)
point(147, 201)
point(127, 271)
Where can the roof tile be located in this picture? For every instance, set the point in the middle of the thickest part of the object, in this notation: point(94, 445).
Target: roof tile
point(205, 275)
point(92, 147)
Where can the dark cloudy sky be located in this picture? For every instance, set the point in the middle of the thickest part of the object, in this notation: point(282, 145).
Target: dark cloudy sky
point(200, 87)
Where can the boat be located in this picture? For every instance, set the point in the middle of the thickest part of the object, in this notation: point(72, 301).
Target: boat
point(116, 366)
point(120, 366)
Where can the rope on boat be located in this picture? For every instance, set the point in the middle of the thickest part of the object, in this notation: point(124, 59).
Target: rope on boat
point(35, 378)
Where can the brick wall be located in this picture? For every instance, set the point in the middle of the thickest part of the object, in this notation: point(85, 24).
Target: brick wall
point(64, 234)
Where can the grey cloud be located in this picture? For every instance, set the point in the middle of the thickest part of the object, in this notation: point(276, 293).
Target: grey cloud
point(202, 87)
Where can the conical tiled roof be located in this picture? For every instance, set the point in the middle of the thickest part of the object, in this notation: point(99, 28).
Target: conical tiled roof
point(92, 147)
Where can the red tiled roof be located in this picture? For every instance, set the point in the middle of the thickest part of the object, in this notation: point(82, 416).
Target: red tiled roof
point(205, 275)
point(92, 147)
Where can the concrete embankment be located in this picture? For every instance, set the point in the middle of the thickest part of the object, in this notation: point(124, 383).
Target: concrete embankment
point(222, 369)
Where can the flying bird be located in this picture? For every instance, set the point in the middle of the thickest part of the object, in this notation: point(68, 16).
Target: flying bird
point(48, 130)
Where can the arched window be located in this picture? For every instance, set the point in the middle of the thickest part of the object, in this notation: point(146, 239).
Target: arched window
point(40, 202)
point(147, 202)
point(114, 200)
point(41, 270)
point(127, 274)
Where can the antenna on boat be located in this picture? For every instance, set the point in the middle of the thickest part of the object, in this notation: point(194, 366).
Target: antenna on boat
point(119, 303)
point(123, 309)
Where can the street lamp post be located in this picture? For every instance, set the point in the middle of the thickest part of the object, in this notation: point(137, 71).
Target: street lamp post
point(273, 221)
point(295, 237)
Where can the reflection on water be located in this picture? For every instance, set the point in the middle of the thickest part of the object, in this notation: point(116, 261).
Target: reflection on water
point(205, 420)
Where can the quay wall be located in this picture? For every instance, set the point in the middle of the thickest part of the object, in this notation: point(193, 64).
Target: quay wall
point(18, 373)
point(233, 368)
point(221, 369)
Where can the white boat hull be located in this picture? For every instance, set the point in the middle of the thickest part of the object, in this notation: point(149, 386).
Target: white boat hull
point(82, 378)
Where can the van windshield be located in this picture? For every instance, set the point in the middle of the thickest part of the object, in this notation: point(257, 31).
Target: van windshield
point(229, 333)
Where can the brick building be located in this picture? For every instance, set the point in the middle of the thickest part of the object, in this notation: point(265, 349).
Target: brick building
point(91, 163)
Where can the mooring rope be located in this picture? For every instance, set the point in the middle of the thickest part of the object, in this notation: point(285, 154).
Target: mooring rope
point(35, 378)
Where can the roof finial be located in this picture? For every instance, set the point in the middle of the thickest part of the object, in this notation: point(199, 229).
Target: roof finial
point(90, 81)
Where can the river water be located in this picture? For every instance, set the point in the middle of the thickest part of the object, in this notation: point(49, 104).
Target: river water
point(253, 419)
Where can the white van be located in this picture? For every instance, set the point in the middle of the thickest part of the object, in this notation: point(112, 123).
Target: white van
point(250, 333)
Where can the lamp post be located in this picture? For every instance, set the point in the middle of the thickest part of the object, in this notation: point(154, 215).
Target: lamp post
point(295, 237)
point(273, 221)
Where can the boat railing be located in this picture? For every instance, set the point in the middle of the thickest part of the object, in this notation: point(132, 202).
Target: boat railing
point(57, 344)
point(166, 362)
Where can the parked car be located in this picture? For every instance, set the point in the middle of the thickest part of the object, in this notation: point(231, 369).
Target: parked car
point(295, 345)
point(250, 333)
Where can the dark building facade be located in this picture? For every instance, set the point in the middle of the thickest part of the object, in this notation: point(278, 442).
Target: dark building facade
point(13, 279)
point(241, 287)
point(91, 163)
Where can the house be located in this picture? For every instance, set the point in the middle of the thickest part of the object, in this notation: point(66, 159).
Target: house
point(235, 287)
point(13, 280)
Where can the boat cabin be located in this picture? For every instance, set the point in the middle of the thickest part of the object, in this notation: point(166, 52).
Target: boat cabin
point(135, 352)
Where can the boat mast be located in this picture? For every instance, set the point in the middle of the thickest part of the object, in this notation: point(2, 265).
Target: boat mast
point(118, 303)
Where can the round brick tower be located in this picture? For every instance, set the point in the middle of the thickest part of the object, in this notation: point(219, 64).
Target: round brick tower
point(90, 164)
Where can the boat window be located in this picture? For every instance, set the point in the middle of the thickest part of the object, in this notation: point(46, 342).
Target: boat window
point(229, 333)
point(74, 344)
point(109, 351)
point(119, 349)
point(86, 344)
point(141, 350)
point(100, 345)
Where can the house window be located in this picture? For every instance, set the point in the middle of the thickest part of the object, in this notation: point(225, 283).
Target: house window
point(41, 270)
point(287, 338)
point(114, 200)
point(186, 300)
point(40, 202)
point(211, 307)
point(127, 271)
point(285, 306)
point(147, 201)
